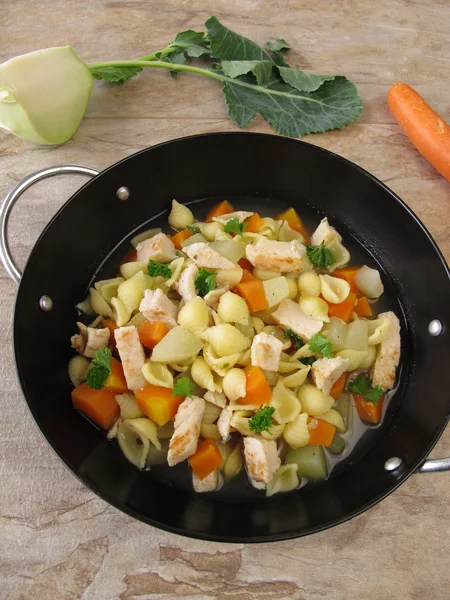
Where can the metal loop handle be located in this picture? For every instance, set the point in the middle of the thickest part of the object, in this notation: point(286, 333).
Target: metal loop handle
point(14, 195)
point(435, 465)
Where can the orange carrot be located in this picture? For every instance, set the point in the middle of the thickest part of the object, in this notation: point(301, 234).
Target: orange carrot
point(363, 308)
point(206, 459)
point(245, 264)
point(429, 133)
point(253, 292)
point(181, 236)
point(338, 386)
point(220, 209)
point(348, 273)
point(99, 406)
point(257, 390)
point(293, 220)
point(130, 257)
point(368, 411)
point(151, 333)
point(116, 382)
point(254, 224)
point(158, 403)
point(320, 433)
point(344, 310)
point(112, 326)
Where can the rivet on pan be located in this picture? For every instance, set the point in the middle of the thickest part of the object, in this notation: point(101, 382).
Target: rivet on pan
point(45, 303)
point(435, 327)
point(392, 463)
point(123, 193)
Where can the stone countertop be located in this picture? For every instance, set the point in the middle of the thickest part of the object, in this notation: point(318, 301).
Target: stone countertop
point(58, 540)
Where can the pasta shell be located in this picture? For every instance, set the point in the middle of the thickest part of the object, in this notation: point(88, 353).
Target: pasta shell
point(157, 374)
point(357, 335)
point(202, 375)
point(264, 275)
point(354, 356)
point(378, 330)
point(369, 359)
point(245, 358)
point(287, 234)
point(209, 230)
point(217, 363)
point(194, 316)
point(234, 384)
point(287, 405)
point(314, 307)
point(292, 285)
point(276, 431)
point(131, 291)
point(333, 289)
point(176, 266)
point(258, 324)
point(211, 413)
point(309, 283)
point(233, 309)
point(99, 304)
point(129, 408)
point(210, 431)
point(313, 401)
point(146, 429)
point(233, 464)
point(296, 379)
point(180, 216)
point(229, 277)
point(108, 287)
point(240, 423)
point(121, 314)
point(133, 445)
point(296, 434)
point(226, 339)
point(284, 480)
point(332, 416)
point(145, 235)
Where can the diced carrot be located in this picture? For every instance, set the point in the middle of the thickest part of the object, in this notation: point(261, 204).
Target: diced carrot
point(257, 390)
point(253, 292)
point(320, 433)
point(206, 459)
point(220, 209)
point(151, 333)
point(99, 406)
point(181, 236)
point(130, 257)
point(244, 263)
point(368, 411)
point(293, 220)
point(338, 386)
point(247, 276)
point(344, 310)
point(363, 308)
point(116, 382)
point(158, 403)
point(348, 273)
point(112, 326)
point(254, 223)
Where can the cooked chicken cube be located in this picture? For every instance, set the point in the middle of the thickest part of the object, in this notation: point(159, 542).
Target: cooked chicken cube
point(159, 248)
point(326, 371)
point(224, 424)
point(240, 215)
point(206, 257)
point(89, 340)
point(156, 306)
point(186, 283)
point(208, 484)
point(282, 257)
point(132, 356)
point(266, 351)
point(388, 354)
point(262, 460)
point(217, 398)
point(290, 315)
point(183, 442)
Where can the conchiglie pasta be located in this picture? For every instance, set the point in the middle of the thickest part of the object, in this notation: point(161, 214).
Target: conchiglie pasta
point(234, 384)
point(369, 359)
point(264, 274)
point(202, 375)
point(157, 374)
point(258, 324)
point(270, 228)
point(136, 320)
point(334, 418)
point(99, 304)
point(219, 364)
point(226, 339)
point(176, 266)
point(233, 309)
point(357, 335)
point(240, 422)
point(313, 401)
point(121, 314)
point(333, 289)
point(210, 431)
point(209, 230)
point(245, 358)
point(233, 463)
point(229, 277)
point(128, 269)
point(354, 356)
point(129, 408)
point(309, 283)
point(211, 413)
point(291, 280)
point(284, 480)
point(275, 432)
point(340, 254)
point(146, 429)
point(296, 379)
point(131, 291)
point(287, 405)
point(296, 434)
point(378, 330)
point(194, 316)
point(314, 307)
point(108, 287)
point(180, 216)
point(287, 234)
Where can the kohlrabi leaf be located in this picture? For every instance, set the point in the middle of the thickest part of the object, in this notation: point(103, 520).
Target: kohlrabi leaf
point(176, 58)
point(228, 45)
point(278, 45)
point(193, 43)
point(261, 69)
point(303, 81)
point(115, 74)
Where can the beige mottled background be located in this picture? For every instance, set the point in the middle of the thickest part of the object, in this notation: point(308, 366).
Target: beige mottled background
point(57, 540)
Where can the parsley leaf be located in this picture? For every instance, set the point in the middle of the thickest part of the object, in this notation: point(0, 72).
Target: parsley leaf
point(156, 269)
point(262, 420)
point(193, 229)
point(308, 361)
point(101, 369)
point(183, 387)
point(319, 344)
point(295, 338)
point(320, 256)
point(205, 282)
point(234, 226)
point(363, 386)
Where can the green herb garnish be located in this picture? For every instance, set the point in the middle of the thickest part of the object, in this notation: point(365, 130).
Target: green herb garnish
point(308, 361)
point(156, 269)
point(101, 369)
point(183, 387)
point(320, 256)
point(193, 229)
point(362, 385)
point(205, 282)
point(234, 226)
point(295, 338)
point(319, 344)
point(262, 420)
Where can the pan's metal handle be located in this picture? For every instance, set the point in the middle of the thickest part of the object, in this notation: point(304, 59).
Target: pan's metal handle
point(435, 465)
point(14, 195)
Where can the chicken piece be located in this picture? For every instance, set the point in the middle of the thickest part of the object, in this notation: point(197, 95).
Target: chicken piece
point(205, 256)
point(208, 484)
point(132, 356)
point(224, 424)
point(282, 257)
point(217, 398)
point(186, 283)
point(89, 340)
point(324, 233)
point(240, 215)
point(183, 442)
point(290, 315)
point(388, 354)
point(326, 371)
point(266, 351)
point(262, 460)
point(156, 306)
point(159, 248)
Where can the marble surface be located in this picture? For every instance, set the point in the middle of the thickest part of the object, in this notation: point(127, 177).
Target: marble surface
point(58, 540)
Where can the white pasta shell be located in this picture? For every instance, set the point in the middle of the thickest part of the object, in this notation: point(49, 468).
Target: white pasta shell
point(314, 307)
point(211, 413)
point(240, 422)
point(333, 289)
point(99, 304)
point(146, 429)
point(276, 431)
point(296, 379)
point(219, 364)
point(209, 230)
point(284, 480)
point(131, 291)
point(229, 277)
point(309, 283)
point(264, 274)
point(157, 374)
point(233, 309)
point(369, 359)
point(202, 374)
point(354, 356)
point(233, 463)
point(226, 339)
point(234, 384)
point(176, 266)
point(296, 434)
point(194, 316)
point(210, 431)
point(334, 418)
point(378, 330)
point(258, 324)
point(313, 401)
point(121, 313)
point(127, 270)
point(129, 408)
point(145, 235)
point(180, 216)
point(108, 287)
point(287, 405)
point(291, 279)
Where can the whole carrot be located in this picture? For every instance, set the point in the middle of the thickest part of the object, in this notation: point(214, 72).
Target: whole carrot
point(429, 133)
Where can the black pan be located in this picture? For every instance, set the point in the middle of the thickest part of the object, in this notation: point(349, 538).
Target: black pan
point(88, 235)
